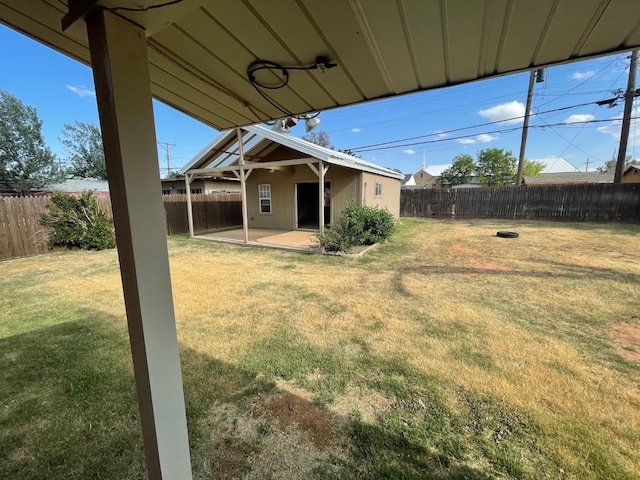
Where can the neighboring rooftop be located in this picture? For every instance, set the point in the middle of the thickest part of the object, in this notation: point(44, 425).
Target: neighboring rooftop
point(556, 165)
point(74, 185)
point(569, 178)
point(436, 170)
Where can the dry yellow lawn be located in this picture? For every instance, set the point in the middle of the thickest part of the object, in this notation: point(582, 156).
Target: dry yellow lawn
point(546, 323)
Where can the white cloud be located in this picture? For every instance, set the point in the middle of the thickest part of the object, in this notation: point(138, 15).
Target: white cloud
point(409, 151)
point(485, 138)
point(612, 129)
point(82, 91)
point(579, 117)
point(356, 130)
point(510, 112)
point(615, 126)
point(583, 75)
point(466, 141)
point(441, 134)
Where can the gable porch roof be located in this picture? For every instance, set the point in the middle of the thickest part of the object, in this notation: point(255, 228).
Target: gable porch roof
point(222, 154)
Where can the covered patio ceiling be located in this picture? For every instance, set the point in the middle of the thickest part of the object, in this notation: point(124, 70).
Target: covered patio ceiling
point(199, 50)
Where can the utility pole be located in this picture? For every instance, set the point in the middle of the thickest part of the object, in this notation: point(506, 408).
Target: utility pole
point(629, 95)
point(586, 169)
point(525, 125)
point(167, 147)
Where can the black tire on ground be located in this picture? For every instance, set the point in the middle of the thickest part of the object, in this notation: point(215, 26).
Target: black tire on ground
point(506, 234)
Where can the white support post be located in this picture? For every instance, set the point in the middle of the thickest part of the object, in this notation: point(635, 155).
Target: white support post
point(188, 178)
point(121, 73)
point(243, 185)
point(321, 173)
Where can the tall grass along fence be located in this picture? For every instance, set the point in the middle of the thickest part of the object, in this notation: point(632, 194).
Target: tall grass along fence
point(21, 234)
point(589, 202)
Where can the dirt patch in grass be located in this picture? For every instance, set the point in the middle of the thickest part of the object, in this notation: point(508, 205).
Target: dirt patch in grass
point(226, 463)
point(291, 409)
point(279, 437)
point(368, 403)
point(473, 258)
point(627, 340)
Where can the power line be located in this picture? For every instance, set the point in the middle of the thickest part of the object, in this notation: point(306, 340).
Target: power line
point(167, 146)
point(504, 130)
point(583, 125)
point(581, 83)
point(369, 147)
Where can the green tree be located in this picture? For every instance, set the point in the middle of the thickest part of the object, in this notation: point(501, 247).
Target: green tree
point(319, 137)
point(86, 153)
point(26, 163)
point(348, 151)
point(496, 167)
point(610, 165)
point(461, 171)
point(532, 168)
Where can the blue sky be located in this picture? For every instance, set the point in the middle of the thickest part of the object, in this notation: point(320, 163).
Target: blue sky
point(61, 90)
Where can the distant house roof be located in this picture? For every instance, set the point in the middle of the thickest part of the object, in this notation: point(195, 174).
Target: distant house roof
point(556, 165)
point(569, 178)
point(408, 180)
point(202, 177)
point(222, 154)
point(74, 185)
point(436, 170)
point(424, 178)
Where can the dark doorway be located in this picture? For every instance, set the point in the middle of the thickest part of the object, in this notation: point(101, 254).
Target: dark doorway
point(307, 202)
point(307, 211)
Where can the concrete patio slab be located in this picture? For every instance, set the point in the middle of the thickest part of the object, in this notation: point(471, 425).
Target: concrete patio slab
point(296, 240)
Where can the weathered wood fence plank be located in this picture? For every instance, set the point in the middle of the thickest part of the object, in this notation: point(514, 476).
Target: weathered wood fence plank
point(21, 233)
point(590, 202)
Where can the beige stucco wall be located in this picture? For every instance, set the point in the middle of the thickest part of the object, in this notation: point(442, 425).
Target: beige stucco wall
point(345, 187)
point(390, 198)
point(212, 186)
point(631, 176)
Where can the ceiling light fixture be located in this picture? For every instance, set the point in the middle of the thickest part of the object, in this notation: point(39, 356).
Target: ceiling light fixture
point(284, 125)
point(281, 126)
point(311, 123)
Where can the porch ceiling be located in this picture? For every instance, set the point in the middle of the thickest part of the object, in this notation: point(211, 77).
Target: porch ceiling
point(199, 50)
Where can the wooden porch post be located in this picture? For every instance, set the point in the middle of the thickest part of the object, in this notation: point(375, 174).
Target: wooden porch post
point(321, 173)
point(188, 177)
point(243, 185)
point(121, 74)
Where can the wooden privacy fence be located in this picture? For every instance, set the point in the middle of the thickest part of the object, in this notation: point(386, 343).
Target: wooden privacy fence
point(590, 202)
point(213, 210)
point(21, 234)
point(20, 229)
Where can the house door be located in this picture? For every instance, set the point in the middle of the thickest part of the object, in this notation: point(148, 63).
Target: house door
point(307, 205)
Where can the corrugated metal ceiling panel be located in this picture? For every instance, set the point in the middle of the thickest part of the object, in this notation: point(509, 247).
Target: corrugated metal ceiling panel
point(199, 50)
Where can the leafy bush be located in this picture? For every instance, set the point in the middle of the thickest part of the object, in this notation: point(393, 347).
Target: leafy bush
point(78, 222)
point(358, 225)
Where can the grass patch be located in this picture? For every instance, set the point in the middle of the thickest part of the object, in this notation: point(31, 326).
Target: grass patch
point(445, 353)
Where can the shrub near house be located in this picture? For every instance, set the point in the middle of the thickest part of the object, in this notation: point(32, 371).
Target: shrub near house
point(78, 222)
point(358, 225)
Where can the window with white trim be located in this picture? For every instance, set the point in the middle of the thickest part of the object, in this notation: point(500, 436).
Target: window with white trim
point(378, 189)
point(264, 196)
